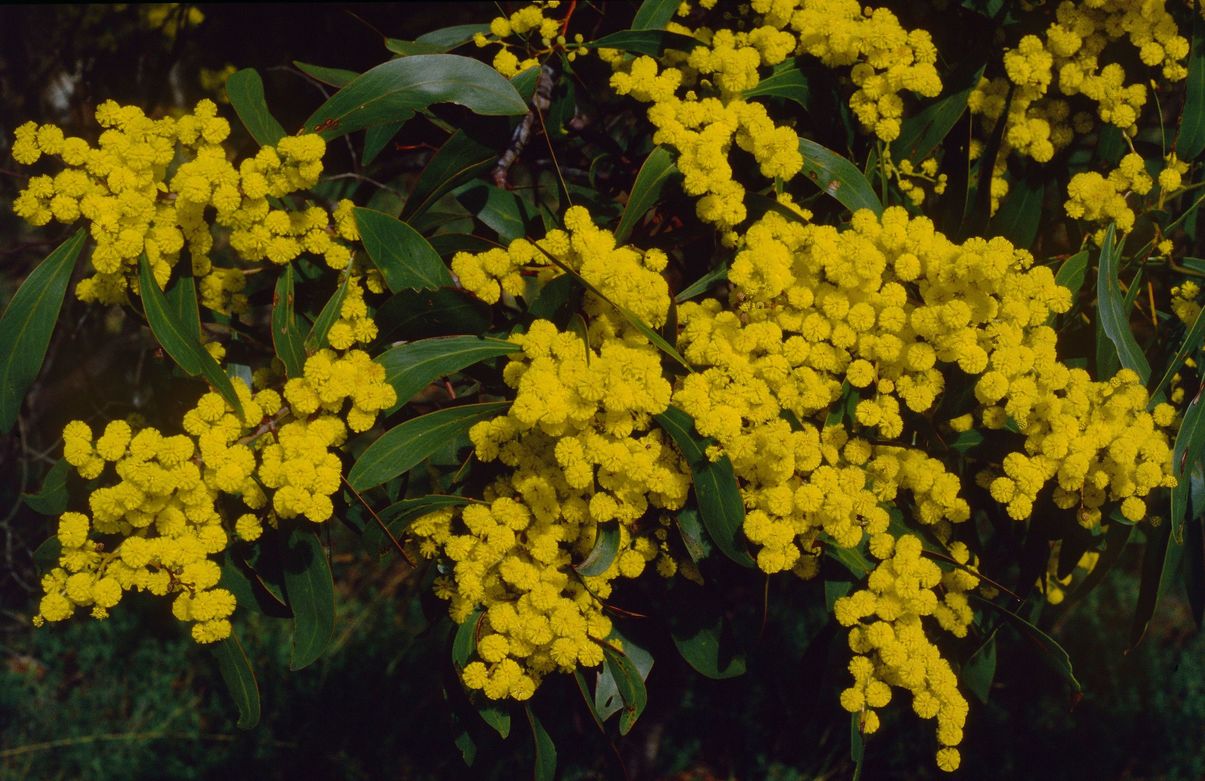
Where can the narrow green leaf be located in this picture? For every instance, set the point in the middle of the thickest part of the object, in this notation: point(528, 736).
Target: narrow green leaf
point(834, 590)
point(657, 169)
point(1192, 341)
point(980, 670)
point(400, 515)
point(651, 42)
point(403, 256)
point(838, 177)
point(545, 767)
point(1186, 459)
point(411, 367)
point(287, 339)
point(310, 592)
point(1020, 215)
point(1159, 562)
point(703, 283)
point(182, 301)
point(1191, 141)
point(410, 48)
point(705, 642)
point(245, 89)
point(786, 81)
point(1114, 317)
point(1072, 272)
point(654, 14)
point(46, 556)
point(415, 314)
point(694, 538)
point(464, 642)
point(376, 138)
point(51, 497)
point(630, 682)
point(1052, 653)
point(407, 445)
point(460, 159)
point(857, 745)
point(921, 132)
point(240, 679)
point(316, 338)
point(497, 716)
point(602, 555)
point(453, 36)
point(502, 211)
point(394, 90)
point(716, 489)
point(853, 559)
point(336, 77)
point(179, 341)
point(584, 689)
point(28, 323)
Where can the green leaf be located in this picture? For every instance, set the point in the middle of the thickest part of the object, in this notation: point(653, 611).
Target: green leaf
point(980, 670)
point(703, 283)
point(376, 138)
point(413, 366)
point(405, 446)
point(545, 767)
point(602, 555)
point(921, 132)
point(857, 744)
point(629, 681)
point(501, 210)
point(1192, 341)
point(179, 341)
point(786, 81)
point(853, 559)
point(403, 256)
point(287, 339)
point(1186, 458)
point(182, 301)
point(656, 170)
point(51, 498)
point(336, 77)
point(28, 323)
point(240, 679)
point(394, 90)
point(46, 556)
point(716, 489)
point(1113, 314)
point(245, 89)
point(316, 338)
point(1052, 653)
point(460, 159)
point(1159, 562)
point(651, 42)
point(310, 592)
point(497, 717)
point(705, 642)
point(838, 177)
point(1191, 141)
point(410, 48)
point(694, 537)
point(464, 642)
point(1071, 274)
point(400, 515)
point(414, 314)
point(453, 36)
point(1021, 213)
point(654, 14)
point(834, 590)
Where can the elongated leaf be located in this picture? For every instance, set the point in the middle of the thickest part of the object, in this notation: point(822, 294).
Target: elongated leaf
point(694, 537)
point(785, 81)
point(853, 559)
point(414, 314)
point(501, 210)
point(400, 515)
point(706, 643)
point(464, 642)
point(1053, 654)
point(316, 338)
point(838, 177)
point(857, 744)
point(1159, 562)
point(28, 323)
point(179, 341)
point(405, 446)
point(376, 138)
point(1072, 272)
point(584, 689)
point(336, 77)
point(921, 132)
point(1114, 317)
point(453, 36)
point(651, 42)
point(657, 169)
point(602, 555)
point(460, 159)
point(411, 367)
point(1186, 459)
point(404, 258)
point(1191, 141)
point(246, 92)
point(980, 670)
point(703, 283)
point(654, 14)
point(545, 767)
point(394, 90)
point(287, 339)
point(1021, 213)
point(716, 489)
point(240, 679)
point(1192, 341)
point(46, 555)
point(311, 594)
point(182, 301)
point(630, 683)
point(410, 48)
point(51, 497)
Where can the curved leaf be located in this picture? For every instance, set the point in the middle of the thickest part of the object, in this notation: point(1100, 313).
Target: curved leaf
point(715, 484)
point(921, 132)
point(1192, 341)
point(630, 683)
point(51, 498)
point(1159, 563)
point(394, 90)
point(656, 170)
point(464, 642)
point(1113, 312)
point(414, 314)
point(545, 767)
point(178, 340)
point(650, 42)
point(980, 670)
point(310, 592)
point(701, 639)
point(245, 89)
point(453, 36)
point(336, 77)
point(28, 323)
point(407, 445)
point(460, 159)
point(1186, 458)
point(1071, 274)
point(376, 138)
point(403, 256)
point(316, 338)
point(400, 515)
point(1191, 141)
point(654, 14)
point(240, 679)
point(838, 177)
point(182, 301)
point(411, 367)
point(786, 81)
point(1051, 652)
point(1021, 213)
point(287, 338)
point(602, 555)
